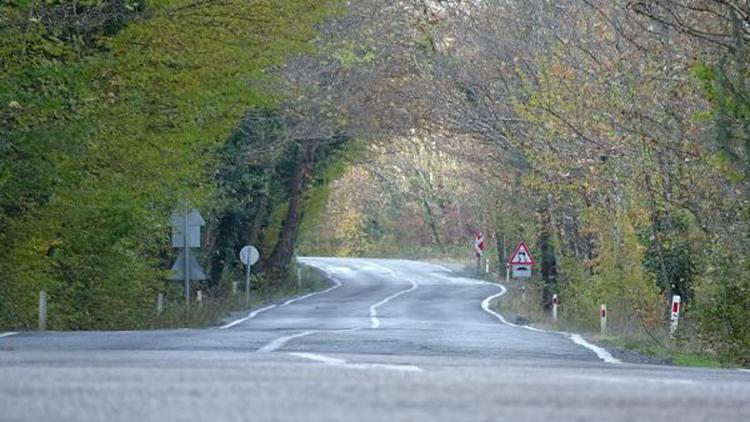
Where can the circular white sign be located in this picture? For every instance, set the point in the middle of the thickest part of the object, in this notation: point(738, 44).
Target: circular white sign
point(249, 255)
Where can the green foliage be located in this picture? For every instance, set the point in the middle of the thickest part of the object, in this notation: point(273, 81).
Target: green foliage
point(678, 269)
point(103, 131)
point(723, 305)
point(727, 91)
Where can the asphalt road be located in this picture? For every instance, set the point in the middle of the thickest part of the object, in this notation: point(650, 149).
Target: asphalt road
point(390, 340)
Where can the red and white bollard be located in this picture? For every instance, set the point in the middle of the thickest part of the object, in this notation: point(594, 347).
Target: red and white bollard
point(603, 321)
point(554, 307)
point(675, 318)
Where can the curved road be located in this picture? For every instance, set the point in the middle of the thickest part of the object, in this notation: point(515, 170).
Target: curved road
point(389, 340)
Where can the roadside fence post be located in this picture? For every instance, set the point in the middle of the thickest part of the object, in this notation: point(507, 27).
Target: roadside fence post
point(675, 318)
point(159, 304)
point(199, 298)
point(603, 322)
point(554, 307)
point(42, 310)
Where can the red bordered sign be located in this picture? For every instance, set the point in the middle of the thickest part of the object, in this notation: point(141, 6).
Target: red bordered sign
point(521, 255)
point(478, 244)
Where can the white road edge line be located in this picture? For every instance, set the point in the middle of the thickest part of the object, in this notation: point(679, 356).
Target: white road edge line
point(8, 334)
point(251, 315)
point(326, 360)
point(744, 370)
point(336, 285)
point(601, 353)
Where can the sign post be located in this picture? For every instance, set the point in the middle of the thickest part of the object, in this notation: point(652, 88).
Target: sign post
point(186, 234)
point(249, 256)
point(675, 318)
point(507, 273)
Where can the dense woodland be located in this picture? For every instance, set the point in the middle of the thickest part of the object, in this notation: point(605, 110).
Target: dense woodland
point(612, 135)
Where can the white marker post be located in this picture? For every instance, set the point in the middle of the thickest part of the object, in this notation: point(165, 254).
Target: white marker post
point(675, 314)
point(42, 311)
point(603, 322)
point(159, 304)
point(249, 256)
point(554, 307)
point(199, 298)
point(234, 288)
point(487, 265)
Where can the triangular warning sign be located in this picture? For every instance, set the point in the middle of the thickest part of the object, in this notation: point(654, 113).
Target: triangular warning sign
point(521, 255)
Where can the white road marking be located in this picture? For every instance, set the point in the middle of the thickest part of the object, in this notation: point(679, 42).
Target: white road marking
point(8, 334)
point(241, 320)
point(744, 370)
point(635, 380)
point(442, 268)
point(326, 360)
point(374, 321)
point(336, 285)
point(382, 268)
point(600, 352)
point(320, 358)
point(281, 341)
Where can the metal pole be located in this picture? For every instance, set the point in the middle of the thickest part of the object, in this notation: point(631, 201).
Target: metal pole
point(247, 286)
point(299, 277)
point(42, 311)
point(479, 265)
point(187, 262)
point(507, 273)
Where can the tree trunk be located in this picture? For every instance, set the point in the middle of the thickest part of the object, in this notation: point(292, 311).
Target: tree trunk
point(284, 250)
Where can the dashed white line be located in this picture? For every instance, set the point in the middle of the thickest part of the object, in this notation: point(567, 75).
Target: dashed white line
point(281, 341)
point(600, 352)
point(8, 334)
point(327, 360)
point(374, 321)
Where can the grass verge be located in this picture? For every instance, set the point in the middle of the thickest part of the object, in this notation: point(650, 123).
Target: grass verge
point(523, 307)
point(222, 302)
